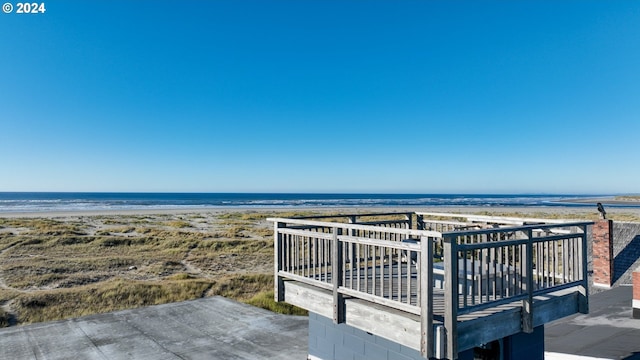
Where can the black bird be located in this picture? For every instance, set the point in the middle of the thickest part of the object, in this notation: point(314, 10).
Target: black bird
point(603, 213)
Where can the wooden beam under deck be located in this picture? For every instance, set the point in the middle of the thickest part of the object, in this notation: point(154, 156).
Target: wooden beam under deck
point(473, 329)
point(392, 324)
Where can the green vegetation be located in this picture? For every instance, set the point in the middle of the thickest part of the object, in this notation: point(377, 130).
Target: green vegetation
point(178, 224)
point(265, 300)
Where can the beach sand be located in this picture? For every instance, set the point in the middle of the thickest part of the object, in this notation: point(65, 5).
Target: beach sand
point(556, 211)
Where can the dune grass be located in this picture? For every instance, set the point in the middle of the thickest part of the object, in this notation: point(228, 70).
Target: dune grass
point(120, 294)
point(627, 198)
point(265, 300)
point(4, 318)
point(63, 268)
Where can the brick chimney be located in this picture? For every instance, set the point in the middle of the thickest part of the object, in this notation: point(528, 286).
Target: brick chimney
point(603, 253)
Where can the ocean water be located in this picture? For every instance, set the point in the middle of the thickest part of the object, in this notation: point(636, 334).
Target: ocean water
point(41, 201)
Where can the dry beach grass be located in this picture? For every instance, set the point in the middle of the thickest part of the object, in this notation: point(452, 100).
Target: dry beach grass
point(55, 266)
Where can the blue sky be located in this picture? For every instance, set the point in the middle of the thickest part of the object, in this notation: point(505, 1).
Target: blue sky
point(321, 96)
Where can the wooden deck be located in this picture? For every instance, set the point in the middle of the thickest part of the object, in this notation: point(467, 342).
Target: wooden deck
point(404, 328)
point(379, 276)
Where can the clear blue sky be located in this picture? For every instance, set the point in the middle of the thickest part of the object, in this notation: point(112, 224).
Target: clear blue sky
point(322, 96)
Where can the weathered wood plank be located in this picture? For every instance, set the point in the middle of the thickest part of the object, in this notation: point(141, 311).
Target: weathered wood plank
point(278, 283)
point(337, 267)
point(527, 302)
point(309, 297)
point(384, 243)
point(451, 296)
point(394, 325)
point(412, 309)
point(583, 299)
point(306, 233)
point(472, 329)
point(408, 232)
point(426, 296)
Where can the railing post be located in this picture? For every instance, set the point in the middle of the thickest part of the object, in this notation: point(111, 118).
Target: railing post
point(451, 295)
point(583, 297)
point(426, 297)
point(336, 277)
point(527, 303)
point(420, 222)
point(278, 284)
point(352, 248)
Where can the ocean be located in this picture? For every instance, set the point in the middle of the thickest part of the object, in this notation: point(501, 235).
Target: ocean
point(70, 201)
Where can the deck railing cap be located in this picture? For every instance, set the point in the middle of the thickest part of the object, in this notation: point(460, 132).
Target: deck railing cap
point(410, 232)
point(451, 234)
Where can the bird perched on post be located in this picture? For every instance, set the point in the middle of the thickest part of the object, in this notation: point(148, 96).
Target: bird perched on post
point(603, 214)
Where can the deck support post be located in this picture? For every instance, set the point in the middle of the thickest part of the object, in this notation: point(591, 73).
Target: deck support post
point(527, 303)
point(441, 339)
point(336, 277)
point(451, 295)
point(583, 296)
point(426, 297)
point(278, 284)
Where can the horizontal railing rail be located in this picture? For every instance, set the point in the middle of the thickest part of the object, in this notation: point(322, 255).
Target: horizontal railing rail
point(506, 220)
point(353, 216)
point(372, 228)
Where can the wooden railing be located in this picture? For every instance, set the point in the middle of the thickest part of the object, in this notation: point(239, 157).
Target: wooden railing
point(376, 263)
point(494, 267)
point(382, 261)
point(388, 259)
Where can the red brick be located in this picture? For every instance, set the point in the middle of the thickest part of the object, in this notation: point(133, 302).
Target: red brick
point(603, 252)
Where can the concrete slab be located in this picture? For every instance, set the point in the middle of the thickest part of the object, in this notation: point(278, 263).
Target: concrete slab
point(607, 332)
point(208, 328)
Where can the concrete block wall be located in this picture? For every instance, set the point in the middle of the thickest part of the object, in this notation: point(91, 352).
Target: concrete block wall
point(626, 251)
point(524, 346)
point(329, 341)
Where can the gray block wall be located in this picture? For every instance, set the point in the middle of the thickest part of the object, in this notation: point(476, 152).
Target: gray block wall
point(329, 341)
point(524, 346)
point(626, 251)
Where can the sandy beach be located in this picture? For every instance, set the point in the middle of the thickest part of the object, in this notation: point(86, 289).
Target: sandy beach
point(540, 211)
